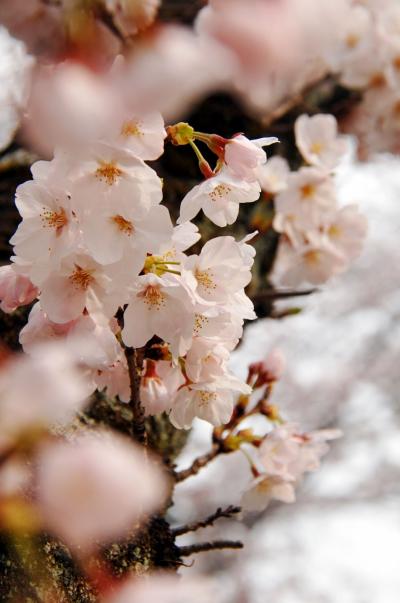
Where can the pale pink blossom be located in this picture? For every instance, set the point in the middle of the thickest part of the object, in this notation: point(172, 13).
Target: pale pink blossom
point(143, 135)
point(183, 236)
point(219, 198)
point(132, 16)
point(313, 263)
point(93, 343)
point(96, 488)
point(15, 289)
point(15, 72)
point(49, 229)
point(310, 193)
point(263, 489)
point(274, 365)
point(166, 588)
point(78, 284)
point(159, 306)
point(114, 379)
point(160, 382)
point(113, 229)
point(211, 401)
point(244, 156)
point(171, 69)
point(39, 390)
point(273, 175)
point(347, 231)
point(103, 171)
point(318, 141)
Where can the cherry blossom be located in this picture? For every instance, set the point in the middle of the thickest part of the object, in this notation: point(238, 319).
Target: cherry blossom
point(159, 306)
point(244, 156)
point(310, 193)
point(219, 198)
point(15, 289)
point(273, 175)
point(48, 230)
point(40, 390)
point(80, 282)
point(263, 489)
point(143, 134)
point(210, 401)
point(347, 231)
point(318, 141)
point(87, 489)
point(160, 382)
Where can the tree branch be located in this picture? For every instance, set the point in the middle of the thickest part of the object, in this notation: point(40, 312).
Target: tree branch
point(203, 547)
point(198, 464)
point(219, 514)
point(134, 359)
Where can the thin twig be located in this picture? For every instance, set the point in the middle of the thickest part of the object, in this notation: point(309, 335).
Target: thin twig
point(272, 294)
point(219, 514)
point(198, 464)
point(203, 547)
point(134, 359)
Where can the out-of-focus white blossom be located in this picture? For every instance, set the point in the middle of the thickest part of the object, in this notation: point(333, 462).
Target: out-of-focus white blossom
point(318, 142)
point(95, 488)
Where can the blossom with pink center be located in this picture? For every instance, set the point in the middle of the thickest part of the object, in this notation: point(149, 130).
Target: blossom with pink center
point(15, 289)
point(114, 379)
point(244, 156)
point(87, 489)
point(219, 198)
point(206, 360)
point(222, 269)
point(49, 229)
point(159, 306)
point(347, 231)
point(318, 142)
point(212, 401)
point(160, 382)
point(142, 135)
point(40, 390)
point(114, 229)
point(273, 175)
point(263, 489)
point(132, 16)
point(81, 283)
point(310, 193)
point(101, 170)
point(313, 262)
point(93, 343)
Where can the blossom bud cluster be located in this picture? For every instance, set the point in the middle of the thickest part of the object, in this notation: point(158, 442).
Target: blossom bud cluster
point(283, 457)
point(319, 237)
point(95, 243)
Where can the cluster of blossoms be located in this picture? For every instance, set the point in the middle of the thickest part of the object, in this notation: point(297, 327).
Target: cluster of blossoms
point(94, 240)
point(319, 238)
point(369, 60)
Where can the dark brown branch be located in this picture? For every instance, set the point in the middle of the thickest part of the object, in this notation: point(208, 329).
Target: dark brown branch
point(272, 294)
point(198, 464)
point(134, 359)
point(219, 514)
point(203, 547)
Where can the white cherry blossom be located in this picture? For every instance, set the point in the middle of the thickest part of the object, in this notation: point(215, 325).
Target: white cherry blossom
point(159, 306)
point(244, 156)
point(160, 382)
point(273, 175)
point(219, 198)
point(87, 489)
point(15, 289)
point(48, 231)
point(318, 141)
point(263, 489)
point(143, 135)
point(81, 282)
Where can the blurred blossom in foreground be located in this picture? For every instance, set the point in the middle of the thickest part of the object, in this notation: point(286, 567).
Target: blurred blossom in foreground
point(96, 487)
point(38, 391)
point(15, 69)
point(165, 589)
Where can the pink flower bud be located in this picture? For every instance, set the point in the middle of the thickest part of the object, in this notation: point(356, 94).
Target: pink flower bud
point(15, 289)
